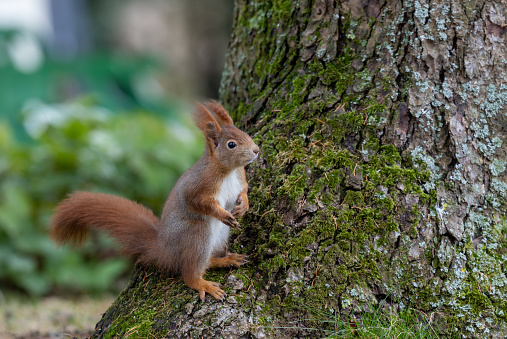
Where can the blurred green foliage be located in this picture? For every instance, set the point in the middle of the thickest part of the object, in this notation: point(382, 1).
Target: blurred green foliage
point(80, 146)
point(118, 81)
point(120, 137)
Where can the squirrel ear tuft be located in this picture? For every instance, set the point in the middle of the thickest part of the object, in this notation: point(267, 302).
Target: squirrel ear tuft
point(203, 117)
point(220, 113)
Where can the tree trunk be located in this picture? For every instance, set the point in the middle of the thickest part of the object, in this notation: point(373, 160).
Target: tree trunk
point(382, 178)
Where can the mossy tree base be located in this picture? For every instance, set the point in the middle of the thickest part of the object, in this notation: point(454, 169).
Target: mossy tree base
point(155, 305)
point(382, 176)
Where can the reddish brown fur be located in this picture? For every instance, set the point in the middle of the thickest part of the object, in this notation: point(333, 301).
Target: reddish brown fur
point(202, 116)
point(220, 112)
point(229, 260)
point(131, 224)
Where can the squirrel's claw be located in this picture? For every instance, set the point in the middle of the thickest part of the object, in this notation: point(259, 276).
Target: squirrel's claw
point(236, 259)
point(229, 260)
point(231, 221)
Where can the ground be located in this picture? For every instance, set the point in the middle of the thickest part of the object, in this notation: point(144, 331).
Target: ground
point(51, 317)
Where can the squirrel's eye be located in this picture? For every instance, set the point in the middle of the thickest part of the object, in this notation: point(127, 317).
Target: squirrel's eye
point(231, 144)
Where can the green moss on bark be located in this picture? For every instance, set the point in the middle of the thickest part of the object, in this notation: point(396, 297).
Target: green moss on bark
point(354, 194)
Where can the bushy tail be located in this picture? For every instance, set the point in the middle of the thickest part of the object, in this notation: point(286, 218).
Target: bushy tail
point(134, 226)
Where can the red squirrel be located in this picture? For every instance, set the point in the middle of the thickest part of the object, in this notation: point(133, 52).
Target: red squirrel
point(193, 230)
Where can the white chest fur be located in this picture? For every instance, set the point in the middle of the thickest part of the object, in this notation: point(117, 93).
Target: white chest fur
point(227, 196)
point(229, 191)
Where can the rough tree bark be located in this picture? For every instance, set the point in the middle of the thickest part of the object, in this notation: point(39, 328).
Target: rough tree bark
point(382, 179)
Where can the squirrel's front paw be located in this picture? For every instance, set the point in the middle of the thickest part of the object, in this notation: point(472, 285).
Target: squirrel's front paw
point(231, 221)
point(240, 209)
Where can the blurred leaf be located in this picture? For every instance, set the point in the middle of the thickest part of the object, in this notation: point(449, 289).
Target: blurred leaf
point(14, 208)
point(106, 272)
point(34, 282)
point(17, 264)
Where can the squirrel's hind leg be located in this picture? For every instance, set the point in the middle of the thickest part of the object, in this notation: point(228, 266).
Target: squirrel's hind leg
point(192, 273)
point(229, 260)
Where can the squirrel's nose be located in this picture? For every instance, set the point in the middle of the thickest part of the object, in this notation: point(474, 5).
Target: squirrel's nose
point(256, 150)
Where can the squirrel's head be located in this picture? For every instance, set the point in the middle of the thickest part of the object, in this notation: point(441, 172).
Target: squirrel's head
point(227, 144)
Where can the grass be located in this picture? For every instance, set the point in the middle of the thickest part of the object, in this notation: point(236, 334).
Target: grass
point(374, 322)
point(381, 321)
point(410, 323)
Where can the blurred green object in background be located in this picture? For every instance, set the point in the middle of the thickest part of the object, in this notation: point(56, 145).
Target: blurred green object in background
point(117, 81)
point(80, 146)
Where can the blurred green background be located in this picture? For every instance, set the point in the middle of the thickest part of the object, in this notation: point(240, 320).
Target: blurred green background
point(95, 96)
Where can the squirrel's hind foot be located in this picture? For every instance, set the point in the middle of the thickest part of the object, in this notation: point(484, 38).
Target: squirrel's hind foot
point(210, 287)
point(229, 260)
